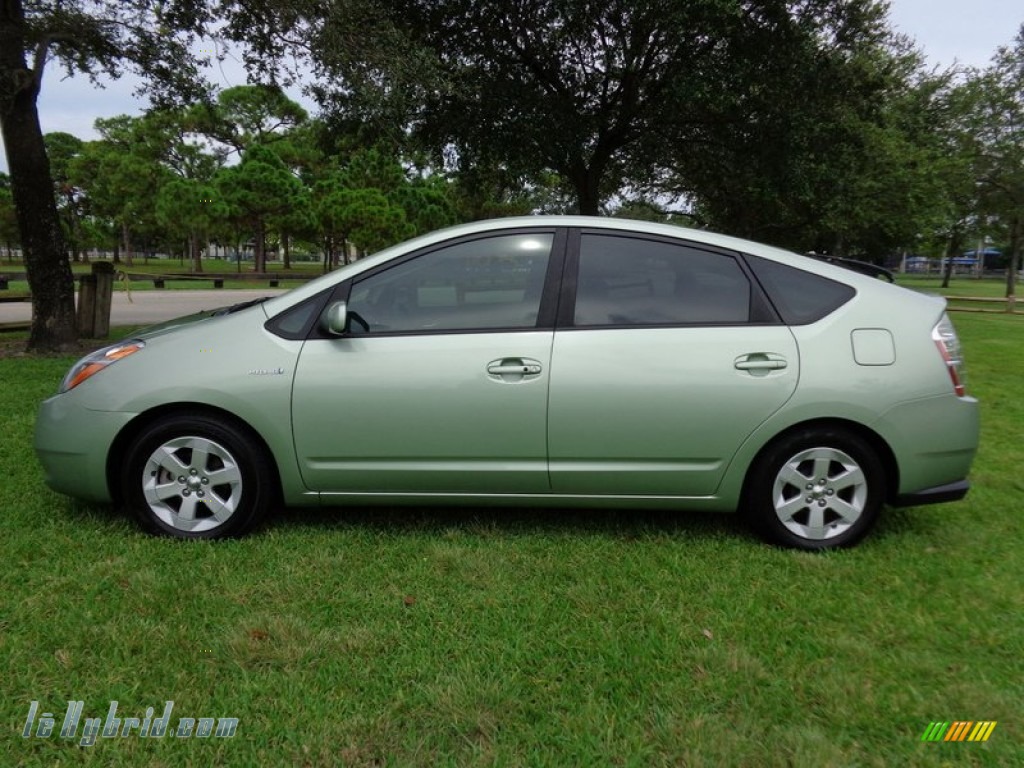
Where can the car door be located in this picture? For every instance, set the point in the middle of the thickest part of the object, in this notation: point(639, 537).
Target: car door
point(666, 358)
point(440, 385)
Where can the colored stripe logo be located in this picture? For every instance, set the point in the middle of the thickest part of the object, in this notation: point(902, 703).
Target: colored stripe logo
point(959, 730)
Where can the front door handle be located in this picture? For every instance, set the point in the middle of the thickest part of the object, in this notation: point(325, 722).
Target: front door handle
point(514, 368)
point(760, 363)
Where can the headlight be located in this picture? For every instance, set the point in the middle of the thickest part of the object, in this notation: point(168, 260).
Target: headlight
point(92, 364)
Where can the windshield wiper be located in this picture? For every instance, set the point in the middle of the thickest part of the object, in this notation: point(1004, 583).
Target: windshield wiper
point(240, 306)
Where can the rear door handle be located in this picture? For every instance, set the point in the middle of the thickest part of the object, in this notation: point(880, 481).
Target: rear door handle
point(514, 367)
point(760, 362)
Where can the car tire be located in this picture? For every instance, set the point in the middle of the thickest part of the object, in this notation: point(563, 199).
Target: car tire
point(196, 477)
point(815, 489)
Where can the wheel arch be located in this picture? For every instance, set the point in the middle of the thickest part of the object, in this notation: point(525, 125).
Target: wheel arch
point(119, 447)
point(878, 444)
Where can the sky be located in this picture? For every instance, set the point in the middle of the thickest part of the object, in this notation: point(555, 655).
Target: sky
point(948, 31)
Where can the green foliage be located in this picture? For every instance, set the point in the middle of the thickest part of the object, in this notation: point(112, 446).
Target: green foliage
point(122, 182)
point(62, 149)
point(578, 88)
point(246, 115)
point(770, 117)
point(363, 217)
point(994, 137)
point(190, 209)
point(426, 204)
point(8, 219)
point(258, 188)
point(825, 142)
point(370, 201)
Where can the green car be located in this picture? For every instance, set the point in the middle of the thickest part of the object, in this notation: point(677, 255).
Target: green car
point(542, 361)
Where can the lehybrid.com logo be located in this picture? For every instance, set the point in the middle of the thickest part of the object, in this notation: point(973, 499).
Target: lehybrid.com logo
point(144, 728)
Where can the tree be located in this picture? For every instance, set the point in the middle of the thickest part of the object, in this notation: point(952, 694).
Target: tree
point(121, 181)
point(190, 208)
point(262, 115)
point(366, 218)
point(605, 95)
point(247, 115)
point(8, 219)
point(424, 198)
point(256, 190)
point(62, 149)
point(93, 37)
point(427, 204)
point(827, 140)
point(997, 136)
point(577, 87)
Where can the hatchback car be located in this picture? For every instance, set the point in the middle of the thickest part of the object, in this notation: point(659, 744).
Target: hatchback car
point(543, 361)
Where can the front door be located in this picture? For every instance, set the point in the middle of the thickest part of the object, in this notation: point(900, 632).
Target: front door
point(441, 386)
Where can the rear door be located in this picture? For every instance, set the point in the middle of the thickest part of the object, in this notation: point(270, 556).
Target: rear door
point(666, 357)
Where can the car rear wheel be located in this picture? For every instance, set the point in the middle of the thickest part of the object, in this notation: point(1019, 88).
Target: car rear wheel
point(816, 489)
point(196, 477)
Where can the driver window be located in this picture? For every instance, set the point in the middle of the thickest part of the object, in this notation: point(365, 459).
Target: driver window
point(486, 284)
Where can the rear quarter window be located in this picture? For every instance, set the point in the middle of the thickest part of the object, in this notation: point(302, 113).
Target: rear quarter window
point(799, 297)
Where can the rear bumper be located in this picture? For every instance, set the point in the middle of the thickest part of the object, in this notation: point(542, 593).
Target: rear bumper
point(937, 495)
point(934, 441)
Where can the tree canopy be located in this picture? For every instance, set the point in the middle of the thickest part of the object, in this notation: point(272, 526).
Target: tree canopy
point(805, 123)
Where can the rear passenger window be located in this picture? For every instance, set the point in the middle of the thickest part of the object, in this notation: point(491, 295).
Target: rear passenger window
point(629, 281)
point(800, 297)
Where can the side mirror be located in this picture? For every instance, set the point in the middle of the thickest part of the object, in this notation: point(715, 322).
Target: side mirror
point(335, 320)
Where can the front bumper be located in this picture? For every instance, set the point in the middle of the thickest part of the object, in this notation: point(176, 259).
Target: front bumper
point(72, 444)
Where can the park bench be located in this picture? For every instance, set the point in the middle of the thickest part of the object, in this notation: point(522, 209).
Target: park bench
point(272, 278)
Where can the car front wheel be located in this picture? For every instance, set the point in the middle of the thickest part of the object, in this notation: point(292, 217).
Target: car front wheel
point(196, 477)
point(816, 489)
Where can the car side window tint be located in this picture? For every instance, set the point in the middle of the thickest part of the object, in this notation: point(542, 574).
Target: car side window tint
point(629, 281)
point(490, 283)
point(800, 297)
point(296, 322)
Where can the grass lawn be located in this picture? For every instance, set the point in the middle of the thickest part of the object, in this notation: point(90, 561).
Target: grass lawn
point(418, 637)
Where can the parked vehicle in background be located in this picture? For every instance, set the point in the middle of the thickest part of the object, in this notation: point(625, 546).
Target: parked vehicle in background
point(547, 361)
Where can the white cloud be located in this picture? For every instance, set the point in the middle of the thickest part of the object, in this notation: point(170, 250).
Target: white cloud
point(958, 31)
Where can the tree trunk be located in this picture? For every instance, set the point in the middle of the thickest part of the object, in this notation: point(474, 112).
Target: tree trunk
point(286, 248)
point(587, 182)
point(947, 268)
point(127, 237)
point(42, 242)
point(197, 253)
point(328, 245)
point(260, 255)
point(1016, 235)
point(840, 249)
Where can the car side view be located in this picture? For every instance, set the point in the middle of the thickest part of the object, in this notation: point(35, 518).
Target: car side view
point(540, 361)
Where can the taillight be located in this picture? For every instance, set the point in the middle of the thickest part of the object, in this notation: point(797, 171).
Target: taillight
point(948, 343)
